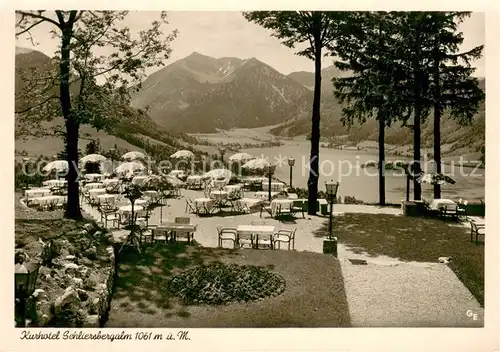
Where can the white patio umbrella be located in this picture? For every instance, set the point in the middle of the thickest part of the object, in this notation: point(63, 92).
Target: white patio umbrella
point(218, 174)
point(256, 164)
point(129, 167)
point(130, 156)
point(56, 165)
point(93, 158)
point(241, 157)
point(182, 154)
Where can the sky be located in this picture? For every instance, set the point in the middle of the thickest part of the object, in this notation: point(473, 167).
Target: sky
point(222, 34)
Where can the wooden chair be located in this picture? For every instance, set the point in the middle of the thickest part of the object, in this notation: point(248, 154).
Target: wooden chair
point(190, 206)
point(245, 239)
point(186, 234)
point(462, 209)
point(111, 215)
point(298, 207)
point(285, 236)
point(267, 207)
point(227, 234)
point(476, 230)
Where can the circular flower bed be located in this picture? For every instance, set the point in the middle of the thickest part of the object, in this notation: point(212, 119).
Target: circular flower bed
point(222, 284)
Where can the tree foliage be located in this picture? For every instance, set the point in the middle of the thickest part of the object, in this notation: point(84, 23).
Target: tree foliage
point(98, 62)
point(313, 34)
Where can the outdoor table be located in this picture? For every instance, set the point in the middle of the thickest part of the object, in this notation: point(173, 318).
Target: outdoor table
point(236, 189)
point(36, 192)
point(94, 177)
point(257, 231)
point(438, 204)
point(110, 181)
point(206, 204)
point(97, 191)
point(261, 195)
point(176, 173)
point(219, 184)
point(49, 200)
point(277, 204)
point(150, 194)
point(275, 186)
point(139, 180)
point(55, 183)
point(93, 185)
point(194, 180)
point(106, 198)
point(126, 212)
point(176, 227)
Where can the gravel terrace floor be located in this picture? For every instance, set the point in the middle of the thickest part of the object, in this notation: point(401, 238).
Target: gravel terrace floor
point(385, 293)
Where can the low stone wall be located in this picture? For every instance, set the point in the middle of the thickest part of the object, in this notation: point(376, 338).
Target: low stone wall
point(76, 279)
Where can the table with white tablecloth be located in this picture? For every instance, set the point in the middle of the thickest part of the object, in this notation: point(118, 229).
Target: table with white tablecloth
point(139, 180)
point(94, 177)
point(277, 205)
point(110, 181)
point(275, 186)
point(204, 205)
point(261, 195)
point(439, 204)
point(194, 181)
point(106, 198)
point(96, 191)
point(234, 191)
point(256, 232)
point(36, 192)
point(126, 212)
point(93, 185)
point(49, 200)
point(55, 183)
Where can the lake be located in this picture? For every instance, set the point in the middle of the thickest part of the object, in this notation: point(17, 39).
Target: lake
point(362, 183)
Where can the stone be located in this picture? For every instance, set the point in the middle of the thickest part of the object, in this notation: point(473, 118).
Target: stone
point(88, 227)
point(71, 268)
point(444, 260)
point(91, 321)
point(77, 281)
point(39, 294)
point(20, 256)
point(82, 294)
point(68, 309)
point(91, 252)
point(86, 261)
point(70, 257)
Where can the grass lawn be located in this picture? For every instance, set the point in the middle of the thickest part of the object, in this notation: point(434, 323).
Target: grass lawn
point(314, 295)
point(415, 239)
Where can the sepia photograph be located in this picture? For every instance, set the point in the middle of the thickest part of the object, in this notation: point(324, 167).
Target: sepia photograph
point(249, 169)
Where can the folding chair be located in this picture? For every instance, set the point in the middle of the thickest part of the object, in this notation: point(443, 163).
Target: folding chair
point(227, 234)
point(298, 207)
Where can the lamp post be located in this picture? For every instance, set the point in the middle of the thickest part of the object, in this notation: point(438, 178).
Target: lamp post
point(330, 246)
point(269, 172)
point(24, 284)
point(222, 151)
point(291, 162)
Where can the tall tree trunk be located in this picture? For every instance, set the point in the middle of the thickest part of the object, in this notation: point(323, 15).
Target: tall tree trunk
point(73, 205)
point(312, 184)
point(381, 157)
point(417, 189)
point(437, 126)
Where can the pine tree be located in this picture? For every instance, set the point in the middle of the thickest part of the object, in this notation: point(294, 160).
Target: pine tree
point(366, 48)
